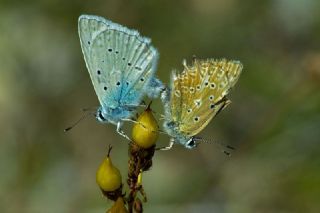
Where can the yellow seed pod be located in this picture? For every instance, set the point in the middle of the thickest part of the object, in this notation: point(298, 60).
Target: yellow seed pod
point(108, 177)
point(118, 207)
point(139, 181)
point(146, 131)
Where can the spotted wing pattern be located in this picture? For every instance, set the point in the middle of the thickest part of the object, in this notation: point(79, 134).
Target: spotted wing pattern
point(120, 61)
point(199, 92)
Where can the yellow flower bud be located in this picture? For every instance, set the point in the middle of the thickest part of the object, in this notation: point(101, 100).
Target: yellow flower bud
point(146, 131)
point(108, 177)
point(118, 207)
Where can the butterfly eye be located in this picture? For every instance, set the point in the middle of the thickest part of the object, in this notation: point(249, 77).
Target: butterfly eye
point(100, 116)
point(191, 144)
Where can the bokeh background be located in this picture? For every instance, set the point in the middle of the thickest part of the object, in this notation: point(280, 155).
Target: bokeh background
point(274, 121)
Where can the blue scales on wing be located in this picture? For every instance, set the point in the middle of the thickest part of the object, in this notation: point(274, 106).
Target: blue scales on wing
point(121, 63)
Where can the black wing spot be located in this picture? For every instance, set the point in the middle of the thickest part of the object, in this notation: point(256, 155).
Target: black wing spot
point(196, 118)
point(127, 83)
point(110, 50)
point(129, 64)
point(99, 72)
point(118, 83)
point(213, 85)
point(141, 79)
point(89, 42)
point(211, 106)
point(117, 52)
point(138, 68)
point(105, 88)
point(123, 59)
point(206, 83)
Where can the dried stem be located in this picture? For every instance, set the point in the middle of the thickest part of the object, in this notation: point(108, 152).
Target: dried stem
point(140, 160)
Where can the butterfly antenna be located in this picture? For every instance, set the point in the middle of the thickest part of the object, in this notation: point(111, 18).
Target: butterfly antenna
point(227, 149)
point(91, 109)
point(78, 121)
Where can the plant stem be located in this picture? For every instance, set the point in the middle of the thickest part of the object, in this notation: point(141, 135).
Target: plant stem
point(139, 160)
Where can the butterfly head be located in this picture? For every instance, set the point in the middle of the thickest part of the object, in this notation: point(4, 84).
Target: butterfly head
point(172, 129)
point(191, 143)
point(112, 115)
point(101, 115)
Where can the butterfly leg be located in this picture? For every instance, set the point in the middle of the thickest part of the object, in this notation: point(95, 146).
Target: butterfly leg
point(133, 107)
point(133, 121)
point(165, 98)
point(136, 122)
point(170, 145)
point(121, 132)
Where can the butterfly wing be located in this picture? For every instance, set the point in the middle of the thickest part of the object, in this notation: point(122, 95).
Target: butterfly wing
point(120, 61)
point(199, 93)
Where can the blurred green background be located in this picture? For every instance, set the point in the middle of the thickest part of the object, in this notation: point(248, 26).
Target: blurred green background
point(274, 120)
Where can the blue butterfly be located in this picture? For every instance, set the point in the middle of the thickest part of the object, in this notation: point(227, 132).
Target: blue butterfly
point(121, 64)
